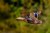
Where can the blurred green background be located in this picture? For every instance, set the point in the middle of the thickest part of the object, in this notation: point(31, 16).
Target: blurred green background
point(10, 10)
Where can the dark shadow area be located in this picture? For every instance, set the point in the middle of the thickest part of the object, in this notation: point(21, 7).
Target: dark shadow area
point(45, 30)
point(36, 1)
point(1, 28)
point(12, 26)
point(4, 16)
point(8, 1)
point(14, 3)
point(43, 5)
point(19, 3)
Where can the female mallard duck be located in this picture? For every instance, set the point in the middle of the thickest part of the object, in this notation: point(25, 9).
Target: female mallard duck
point(31, 17)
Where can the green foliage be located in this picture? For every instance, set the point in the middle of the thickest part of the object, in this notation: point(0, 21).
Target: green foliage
point(9, 12)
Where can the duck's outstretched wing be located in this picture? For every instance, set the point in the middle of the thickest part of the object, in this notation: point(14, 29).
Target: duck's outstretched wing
point(20, 18)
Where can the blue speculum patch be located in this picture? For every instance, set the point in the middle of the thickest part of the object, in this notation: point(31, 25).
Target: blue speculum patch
point(36, 15)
